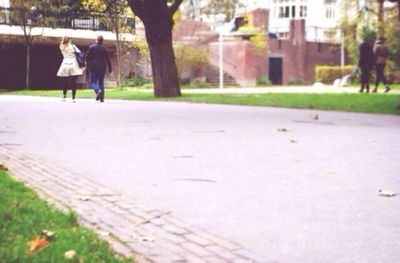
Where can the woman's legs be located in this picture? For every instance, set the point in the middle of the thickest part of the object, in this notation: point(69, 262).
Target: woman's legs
point(64, 86)
point(73, 80)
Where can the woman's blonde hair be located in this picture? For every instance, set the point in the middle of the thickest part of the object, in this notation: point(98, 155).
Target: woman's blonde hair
point(64, 42)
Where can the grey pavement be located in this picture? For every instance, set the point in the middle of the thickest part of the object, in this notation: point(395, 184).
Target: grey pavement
point(240, 189)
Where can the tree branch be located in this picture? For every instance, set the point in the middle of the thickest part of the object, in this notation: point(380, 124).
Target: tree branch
point(137, 8)
point(175, 6)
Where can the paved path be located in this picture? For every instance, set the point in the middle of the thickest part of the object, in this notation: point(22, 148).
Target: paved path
point(195, 182)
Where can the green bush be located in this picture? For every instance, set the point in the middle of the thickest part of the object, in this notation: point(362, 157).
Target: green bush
point(328, 74)
point(148, 86)
point(263, 81)
point(136, 82)
point(295, 82)
point(197, 84)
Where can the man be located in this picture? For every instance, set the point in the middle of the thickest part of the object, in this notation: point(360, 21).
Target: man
point(365, 63)
point(98, 61)
point(381, 52)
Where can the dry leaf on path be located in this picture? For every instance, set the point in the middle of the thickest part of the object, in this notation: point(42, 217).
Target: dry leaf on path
point(284, 130)
point(293, 141)
point(386, 193)
point(36, 244)
point(82, 198)
point(314, 116)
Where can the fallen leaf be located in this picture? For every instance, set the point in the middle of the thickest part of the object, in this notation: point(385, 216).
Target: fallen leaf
point(36, 244)
point(48, 235)
point(104, 233)
point(7, 216)
point(70, 254)
point(284, 130)
point(314, 116)
point(83, 198)
point(3, 167)
point(293, 141)
point(386, 193)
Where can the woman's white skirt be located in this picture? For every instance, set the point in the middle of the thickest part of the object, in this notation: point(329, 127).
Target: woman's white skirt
point(69, 67)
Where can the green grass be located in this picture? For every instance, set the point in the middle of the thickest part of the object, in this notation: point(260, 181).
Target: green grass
point(381, 86)
point(368, 103)
point(351, 102)
point(23, 216)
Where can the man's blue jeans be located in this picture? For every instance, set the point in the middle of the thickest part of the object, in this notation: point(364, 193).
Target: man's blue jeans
point(97, 82)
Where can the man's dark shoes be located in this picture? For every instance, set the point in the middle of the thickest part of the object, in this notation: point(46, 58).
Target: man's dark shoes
point(387, 89)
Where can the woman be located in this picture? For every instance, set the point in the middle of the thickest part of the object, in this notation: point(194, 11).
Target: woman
point(69, 69)
point(381, 52)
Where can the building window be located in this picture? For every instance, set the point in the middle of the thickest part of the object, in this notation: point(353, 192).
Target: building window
point(283, 11)
point(287, 11)
point(293, 11)
point(283, 35)
point(303, 11)
point(330, 12)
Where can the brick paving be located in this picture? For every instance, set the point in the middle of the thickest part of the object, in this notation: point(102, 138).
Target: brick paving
point(133, 230)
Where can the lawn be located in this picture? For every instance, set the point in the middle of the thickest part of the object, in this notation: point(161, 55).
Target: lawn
point(32, 231)
point(351, 102)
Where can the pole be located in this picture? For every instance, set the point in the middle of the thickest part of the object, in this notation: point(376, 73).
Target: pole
point(221, 61)
point(341, 49)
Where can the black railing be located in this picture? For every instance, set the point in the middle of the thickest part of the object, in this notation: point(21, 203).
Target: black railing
point(62, 19)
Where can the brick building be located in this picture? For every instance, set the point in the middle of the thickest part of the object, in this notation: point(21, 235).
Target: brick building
point(292, 59)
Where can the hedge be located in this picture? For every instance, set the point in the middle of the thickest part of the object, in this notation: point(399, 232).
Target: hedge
point(328, 74)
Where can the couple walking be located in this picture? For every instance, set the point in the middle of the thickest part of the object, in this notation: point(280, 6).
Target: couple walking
point(371, 57)
point(97, 59)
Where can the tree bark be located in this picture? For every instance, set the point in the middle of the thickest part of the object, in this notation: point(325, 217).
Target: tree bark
point(118, 44)
point(380, 18)
point(165, 74)
point(156, 16)
point(28, 66)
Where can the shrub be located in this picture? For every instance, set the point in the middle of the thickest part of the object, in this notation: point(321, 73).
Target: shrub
point(394, 76)
point(328, 74)
point(295, 82)
point(263, 81)
point(136, 82)
point(197, 84)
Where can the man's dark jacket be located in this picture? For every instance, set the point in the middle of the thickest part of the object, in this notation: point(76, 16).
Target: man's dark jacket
point(97, 58)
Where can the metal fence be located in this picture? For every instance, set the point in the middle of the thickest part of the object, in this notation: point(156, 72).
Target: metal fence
point(62, 19)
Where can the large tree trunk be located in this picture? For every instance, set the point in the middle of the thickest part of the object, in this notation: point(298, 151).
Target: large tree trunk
point(165, 74)
point(157, 19)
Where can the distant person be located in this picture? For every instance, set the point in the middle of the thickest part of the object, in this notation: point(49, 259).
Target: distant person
point(365, 63)
point(98, 61)
point(381, 52)
point(69, 69)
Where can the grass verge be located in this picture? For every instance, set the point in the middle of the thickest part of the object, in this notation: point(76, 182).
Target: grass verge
point(24, 220)
point(350, 102)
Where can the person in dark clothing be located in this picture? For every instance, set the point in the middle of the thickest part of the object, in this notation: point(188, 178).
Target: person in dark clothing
point(381, 52)
point(98, 61)
point(365, 63)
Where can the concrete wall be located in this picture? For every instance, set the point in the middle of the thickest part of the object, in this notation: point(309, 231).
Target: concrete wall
point(45, 61)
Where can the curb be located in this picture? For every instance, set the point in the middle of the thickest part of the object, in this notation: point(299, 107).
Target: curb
point(131, 228)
